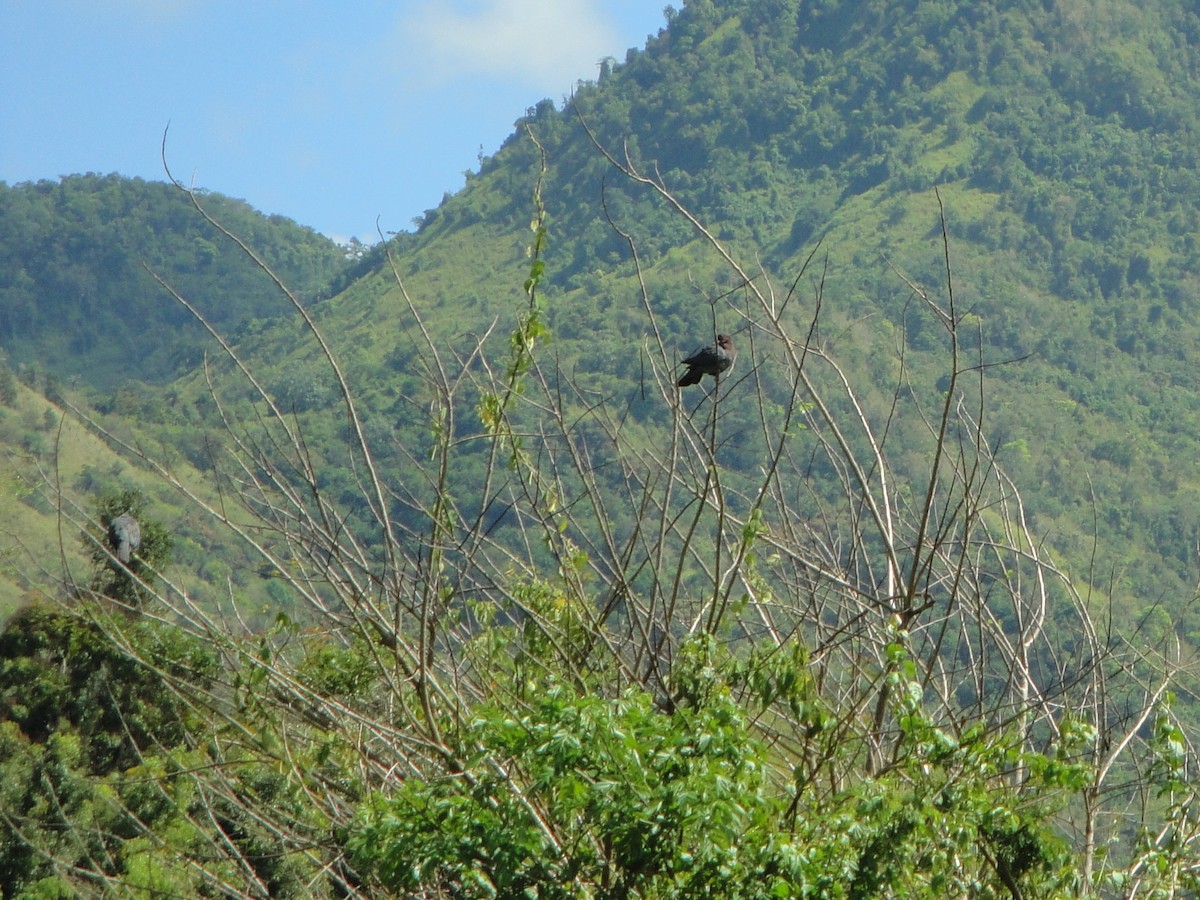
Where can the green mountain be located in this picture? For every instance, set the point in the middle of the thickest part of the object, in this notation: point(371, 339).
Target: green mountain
point(1060, 138)
point(77, 301)
point(82, 314)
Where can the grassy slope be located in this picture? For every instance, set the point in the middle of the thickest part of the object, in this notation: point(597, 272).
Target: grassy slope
point(34, 553)
point(39, 549)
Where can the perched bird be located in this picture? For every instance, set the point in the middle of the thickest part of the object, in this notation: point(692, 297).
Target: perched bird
point(708, 361)
point(124, 536)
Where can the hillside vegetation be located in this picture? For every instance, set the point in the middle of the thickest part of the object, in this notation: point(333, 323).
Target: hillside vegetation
point(1063, 143)
point(53, 470)
point(898, 606)
point(507, 685)
point(81, 314)
point(77, 301)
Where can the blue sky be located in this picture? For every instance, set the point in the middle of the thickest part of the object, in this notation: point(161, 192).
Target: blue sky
point(334, 114)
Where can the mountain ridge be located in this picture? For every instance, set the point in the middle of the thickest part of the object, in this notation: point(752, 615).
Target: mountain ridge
point(77, 298)
point(1065, 179)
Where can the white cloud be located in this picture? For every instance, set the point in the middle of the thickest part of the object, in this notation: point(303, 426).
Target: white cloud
point(547, 44)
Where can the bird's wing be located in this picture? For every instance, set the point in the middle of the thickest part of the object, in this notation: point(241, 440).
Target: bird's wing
point(701, 356)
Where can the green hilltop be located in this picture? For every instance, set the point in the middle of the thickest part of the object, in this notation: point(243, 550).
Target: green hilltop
point(78, 299)
point(1061, 141)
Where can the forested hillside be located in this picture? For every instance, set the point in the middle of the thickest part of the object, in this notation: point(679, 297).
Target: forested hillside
point(82, 316)
point(51, 461)
point(898, 605)
point(1062, 139)
point(77, 301)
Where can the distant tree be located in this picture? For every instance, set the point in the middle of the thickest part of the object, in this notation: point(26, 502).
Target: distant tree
point(126, 583)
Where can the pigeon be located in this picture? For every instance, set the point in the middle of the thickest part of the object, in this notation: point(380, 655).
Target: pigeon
point(124, 536)
point(708, 361)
